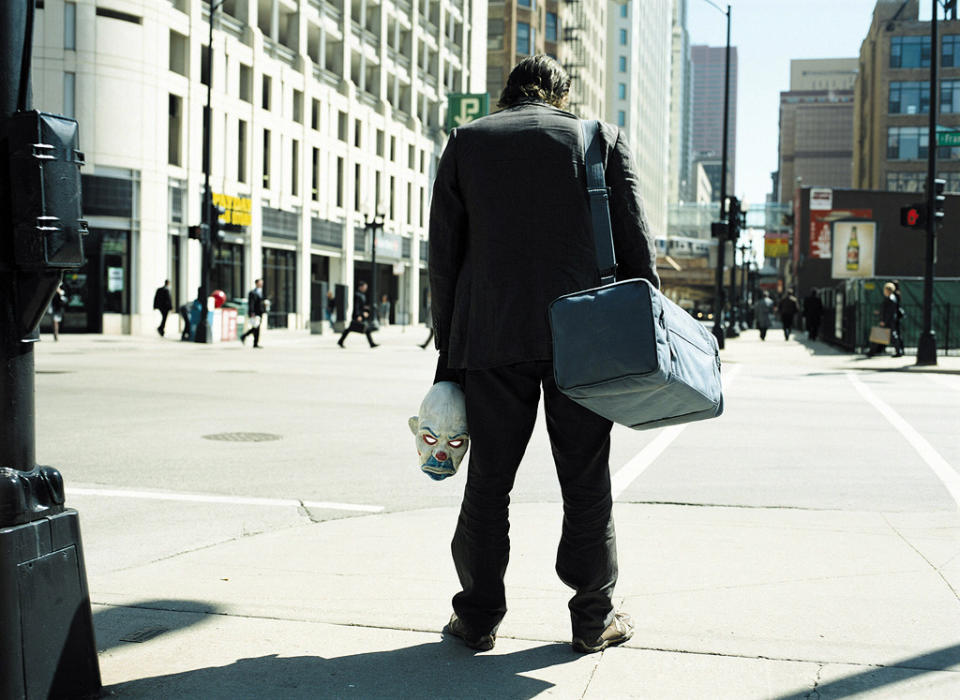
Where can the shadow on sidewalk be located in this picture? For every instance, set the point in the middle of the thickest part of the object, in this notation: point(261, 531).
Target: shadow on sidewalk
point(941, 660)
point(145, 620)
point(443, 669)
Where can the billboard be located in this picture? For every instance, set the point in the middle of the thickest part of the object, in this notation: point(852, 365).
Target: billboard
point(854, 248)
point(821, 226)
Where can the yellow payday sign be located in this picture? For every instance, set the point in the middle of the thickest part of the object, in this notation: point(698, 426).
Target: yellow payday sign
point(776, 246)
point(236, 210)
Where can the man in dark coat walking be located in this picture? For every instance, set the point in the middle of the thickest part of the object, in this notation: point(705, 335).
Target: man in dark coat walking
point(787, 309)
point(256, 308)
point(163, 302)
point(510, 231)
point(812, 314)
point(362, 319)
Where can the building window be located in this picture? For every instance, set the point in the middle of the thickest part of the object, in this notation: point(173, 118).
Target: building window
point(532, 4)
point(356, 187)
point(551, 26)
point(357, 133)
point(179, 50)
point(241, 151)
point(950, 96)
point(910, 52)
point(342, 126)
point(298, 106)
point(524, 38)
point(204, 65)
point(266, 159)
point(621, 118)
point(906, 142)
point(906, 182)
point(622, 64)
point(295, 168)
point(70, 26)
point(70, 95)
point(245, 91)
point(265, 92)
point(340, 182)
point(380, 143)
point(909, 98)
point(623, 37)
point(623, 10)
point(280, 284)
point(175, 129)
point(951, 51)
point(495, 34)
point(622, 91)
point(315, 175)
point(315, 115)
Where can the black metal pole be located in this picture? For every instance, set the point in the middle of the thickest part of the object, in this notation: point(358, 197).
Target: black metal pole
point(17, 410)
point(206, 241)
point(374, 307)
point(718, 302)
point(732, 331)
point(927, 347)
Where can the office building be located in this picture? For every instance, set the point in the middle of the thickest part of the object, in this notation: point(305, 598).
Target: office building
point(816, 126)
point(706, 147)
point(638, 94)
point(324, 114)
point(682, 186)
point(892, 100)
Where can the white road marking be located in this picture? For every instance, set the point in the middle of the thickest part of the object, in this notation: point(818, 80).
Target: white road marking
point(947, 474)
point(630, 471)
point(213, 498)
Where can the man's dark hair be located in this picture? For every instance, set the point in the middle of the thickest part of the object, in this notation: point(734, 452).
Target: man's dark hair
point(536, 78)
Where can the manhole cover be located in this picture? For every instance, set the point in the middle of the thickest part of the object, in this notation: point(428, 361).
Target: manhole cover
point(242, 437)
point(53, 371)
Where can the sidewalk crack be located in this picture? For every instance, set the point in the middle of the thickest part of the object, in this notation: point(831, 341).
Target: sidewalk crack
point(814, 693)
point(933, 566)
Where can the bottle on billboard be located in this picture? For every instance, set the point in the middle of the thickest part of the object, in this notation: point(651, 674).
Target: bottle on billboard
point(853, 251)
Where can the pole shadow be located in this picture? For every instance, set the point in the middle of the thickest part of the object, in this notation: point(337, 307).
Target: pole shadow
point(444, 669)
point(859, 683)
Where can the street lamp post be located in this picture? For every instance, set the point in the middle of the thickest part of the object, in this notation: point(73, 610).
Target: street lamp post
point(927, 345)
point(744, 271)
point(208, 217)
point(373, 223)
point(718, 303)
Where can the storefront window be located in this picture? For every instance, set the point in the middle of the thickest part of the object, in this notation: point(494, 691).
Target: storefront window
point(116, 268)
point(228, 270)
point(280, 284)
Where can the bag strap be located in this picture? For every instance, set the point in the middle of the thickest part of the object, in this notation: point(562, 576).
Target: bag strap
point(599, 201)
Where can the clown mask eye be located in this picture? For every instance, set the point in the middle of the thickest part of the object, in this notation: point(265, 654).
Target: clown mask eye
point(455, 443)
point(429, 439)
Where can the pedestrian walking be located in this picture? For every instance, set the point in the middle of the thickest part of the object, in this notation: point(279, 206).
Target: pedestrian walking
point(163, 302)
point(897, 333)
point(787, 309)
point(889, 318)
point(510, 231)
point(362, 319)
point(331, 309)
point(812, 314)
point(383, 310)
point(762, 311)
point(256, 307)
point(57, 306)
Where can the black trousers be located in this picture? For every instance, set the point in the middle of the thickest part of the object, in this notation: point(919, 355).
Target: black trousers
point(163, 320)
point(255, 332)
point(501, 410)
point(353, 328)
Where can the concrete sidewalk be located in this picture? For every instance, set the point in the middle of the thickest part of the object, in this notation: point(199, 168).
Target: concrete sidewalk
point(729, 602)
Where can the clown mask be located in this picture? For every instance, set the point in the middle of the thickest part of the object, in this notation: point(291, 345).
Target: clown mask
point(441, 430)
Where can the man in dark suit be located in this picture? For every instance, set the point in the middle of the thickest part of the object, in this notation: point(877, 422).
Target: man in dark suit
point(510, 231)
point(256, 307)
point(362, 319)
point(163, 302)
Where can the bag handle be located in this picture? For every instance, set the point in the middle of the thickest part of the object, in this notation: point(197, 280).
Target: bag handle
point(599, 195)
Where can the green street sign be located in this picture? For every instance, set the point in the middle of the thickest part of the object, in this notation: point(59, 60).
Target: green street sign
point(948, 138)
point(463, 107)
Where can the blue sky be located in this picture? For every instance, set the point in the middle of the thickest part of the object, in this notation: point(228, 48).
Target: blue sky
point(768, 34)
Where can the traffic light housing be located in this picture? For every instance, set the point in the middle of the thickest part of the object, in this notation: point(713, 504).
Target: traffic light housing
point(913, 216)
point(734, 218)
point(195, 232)
point(939, 199)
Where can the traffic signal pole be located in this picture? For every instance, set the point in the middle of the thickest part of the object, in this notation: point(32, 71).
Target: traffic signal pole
point(927, 346)
point(718, 302)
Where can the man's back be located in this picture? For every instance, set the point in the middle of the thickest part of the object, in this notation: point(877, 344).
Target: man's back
point(510, 231)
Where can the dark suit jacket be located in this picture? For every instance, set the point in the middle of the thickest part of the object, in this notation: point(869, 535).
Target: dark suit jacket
point(510, 232)
point(255, 305)
point(162, 300)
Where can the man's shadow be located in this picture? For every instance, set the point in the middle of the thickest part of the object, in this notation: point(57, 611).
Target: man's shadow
point(442, 669)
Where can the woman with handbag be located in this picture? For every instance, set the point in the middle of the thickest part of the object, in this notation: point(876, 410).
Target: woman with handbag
point(510, 231)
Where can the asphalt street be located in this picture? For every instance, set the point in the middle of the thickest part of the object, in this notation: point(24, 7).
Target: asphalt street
point(808, 537)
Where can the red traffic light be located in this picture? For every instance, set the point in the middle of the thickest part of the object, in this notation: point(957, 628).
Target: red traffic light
point(913, 216)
